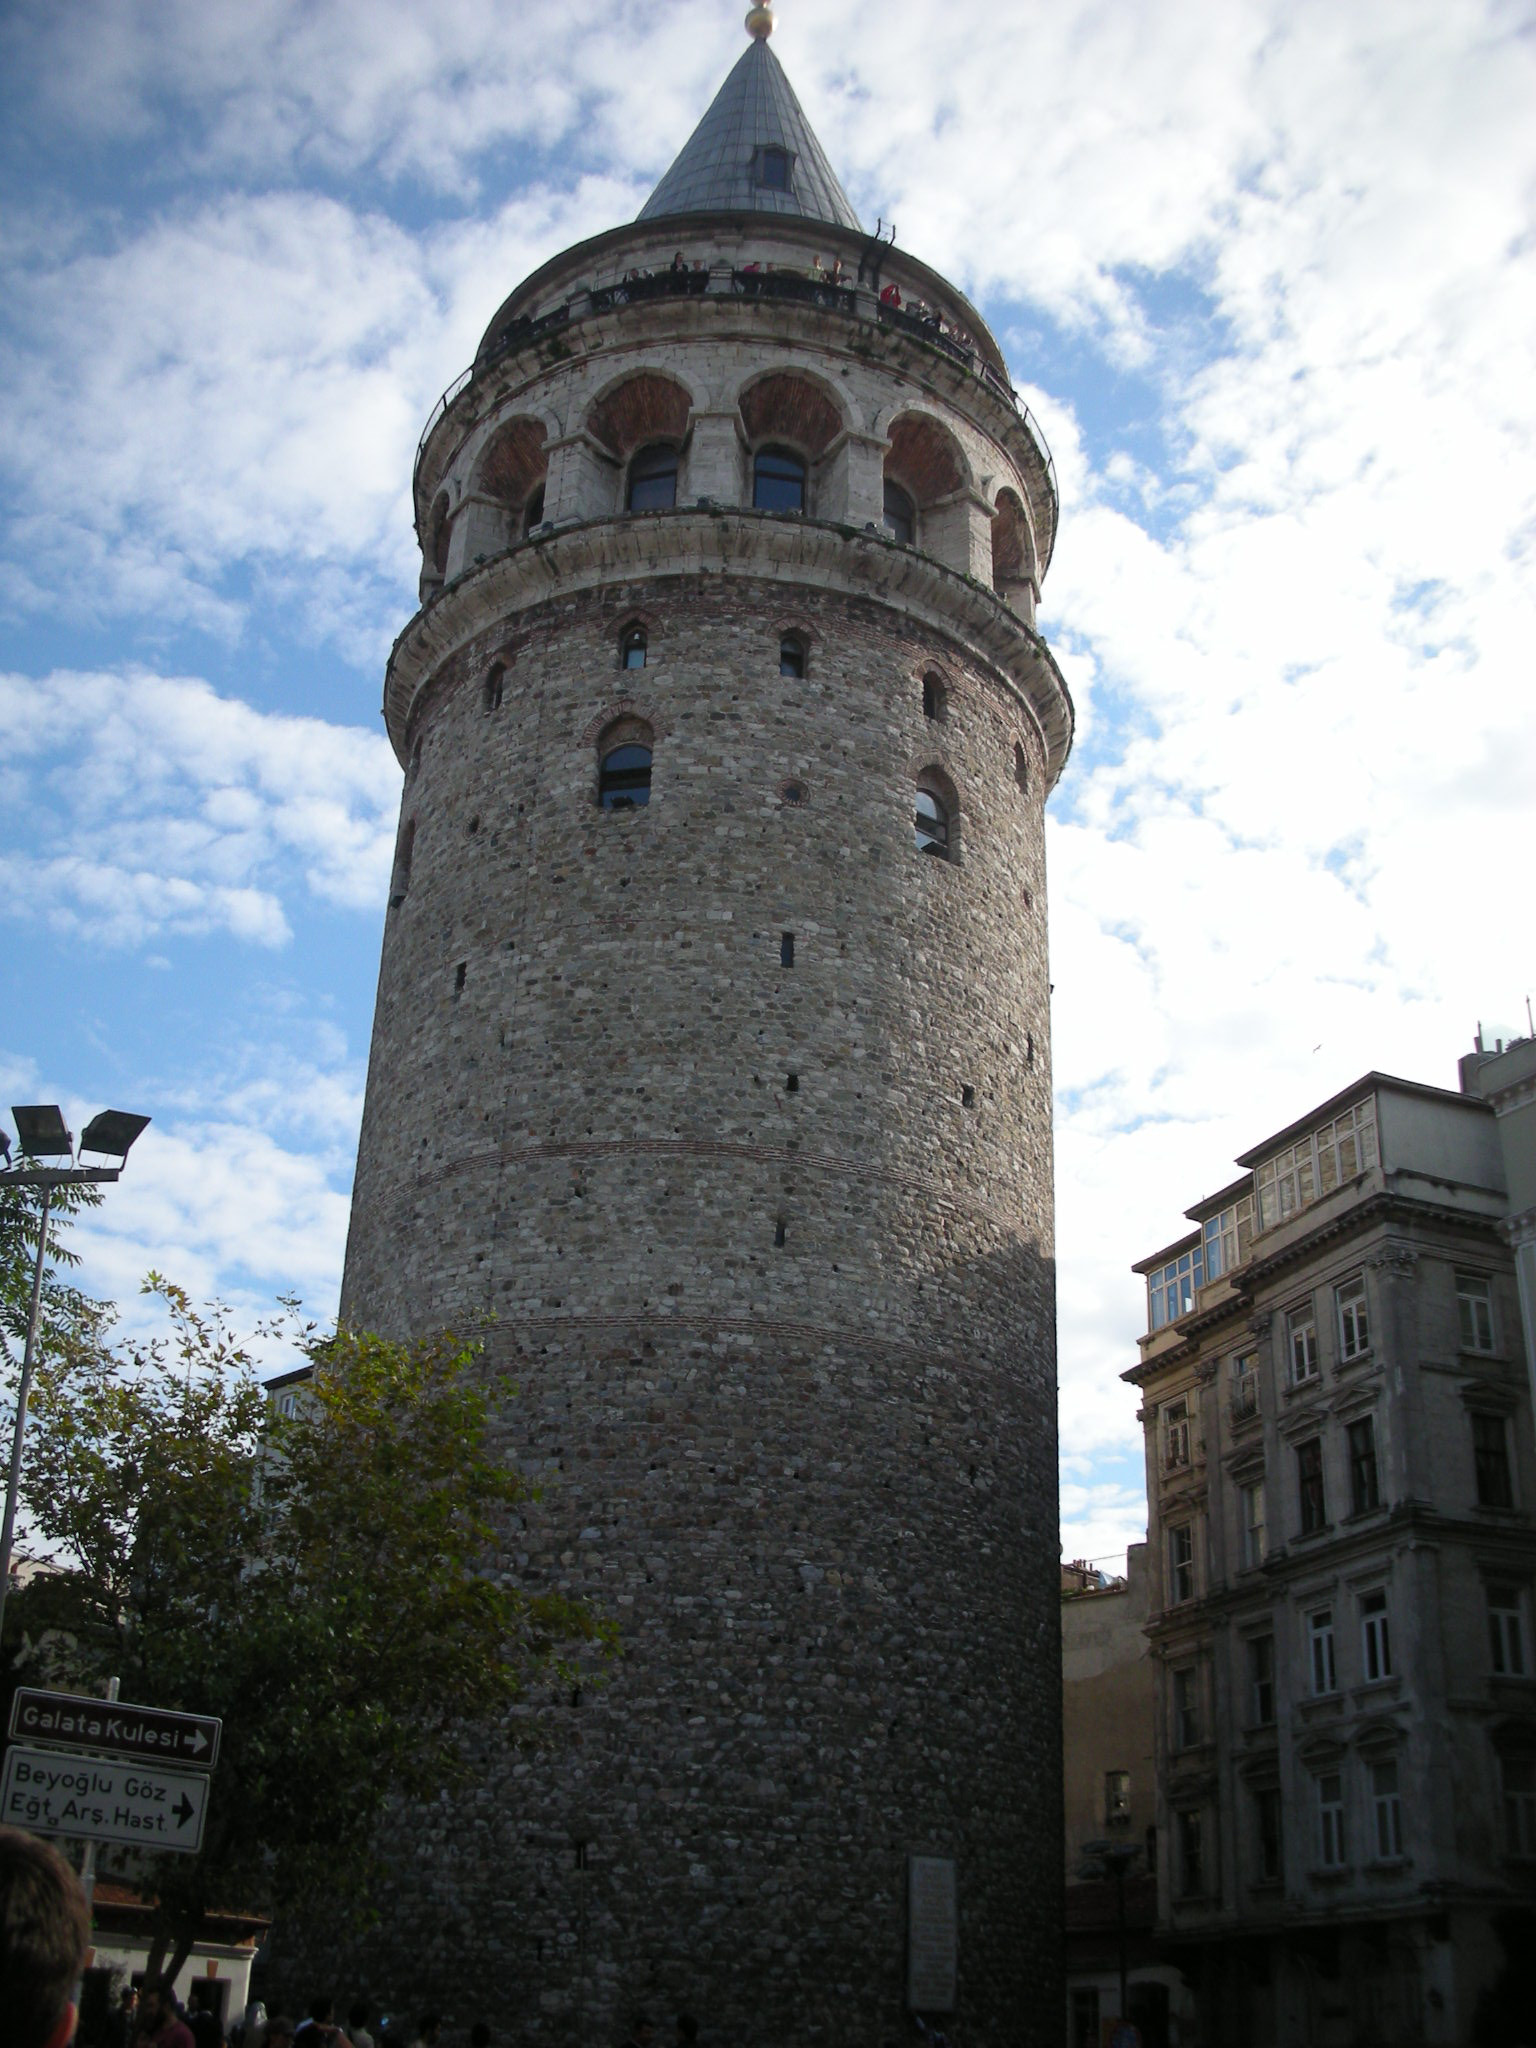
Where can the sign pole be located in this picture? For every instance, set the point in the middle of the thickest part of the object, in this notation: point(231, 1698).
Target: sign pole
point(88, 1874)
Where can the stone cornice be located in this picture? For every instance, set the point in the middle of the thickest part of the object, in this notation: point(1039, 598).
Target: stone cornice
point(783, 549)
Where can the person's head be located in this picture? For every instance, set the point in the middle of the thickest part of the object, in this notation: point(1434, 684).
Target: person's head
point(45, 1931)
point(280, 2032)
point(687, 2028)
point(358, 2015)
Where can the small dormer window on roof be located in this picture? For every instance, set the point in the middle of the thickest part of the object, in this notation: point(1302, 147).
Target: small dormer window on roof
point(773, 169)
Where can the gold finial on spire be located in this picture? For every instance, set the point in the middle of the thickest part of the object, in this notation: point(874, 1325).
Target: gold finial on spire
point(760, 23)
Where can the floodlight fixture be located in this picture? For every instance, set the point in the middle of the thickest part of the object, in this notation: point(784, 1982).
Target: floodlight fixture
point(42, 1130)
point(112, 1132)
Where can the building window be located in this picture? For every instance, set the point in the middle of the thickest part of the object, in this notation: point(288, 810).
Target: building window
point(792, 655)
point(1175, 1420)
point(778, 481)
point(1261, 1680)
point(930, 825)
point(1181, 1563)
point(900, 514)
point(288, 1405)
point(495, 686)
point(1388, 1810)
point(935, 701)
point(1085, 2016)
point(1301, 1340)
point(1245, 1386)
point(1474, 1312)
point(1251, 1498)
point(1227, 1237)
point(1171, 1288)
point(773, 168)
point(632, 648)
point(1506, 1630)
point(624, 783)
point(1364, 1479)
point(405, 853)
point(1309, 1482)
point(1354, 1323)
point(653, 479)
point(1316, 1164)
point(1186, 1707)
point(1325, 1678)
point(1191, 1860)
point(1490, 1456)
point(1519, 1784)
point(1268, 1863)
point(533, 512)
point(1332, 1849)
point(1375, 1637)
point(1117, 1799)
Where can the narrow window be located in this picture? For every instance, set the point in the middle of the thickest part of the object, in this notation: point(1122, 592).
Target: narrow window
point(1354, 1325)
point(1375, 1638)
point(900, 514)
point(1261, 1680)
point(1268, 1867)
point(1325, 1677)
point(1117, 1799)
point(1181, 1563)
point(1309, 1481)
point(401, 880)
point(494, 683)
point(1474, 1312)
point(934, 704)
point(1388, 1808)
point(1252, 1498)
point(459, 974)
point(1301, 1335)
point(1364, 1480)
point(1490, 1453)
point(787, 950)
point(930, 825)
point(778, 481)
point(1186, 1707)
point(1191, 1860)
point(653, 480)
point(625, 781)
point(1506, 1631)
point(632, 648)
point(778, 1233)
point(792, 1084)
point(1518, 1774)
point(967, 1095)
point(1021, 775)
point(1245, 1386)
point(1331, 1848)
point(1175, 1421)
point(791, 655)
point(533, 514)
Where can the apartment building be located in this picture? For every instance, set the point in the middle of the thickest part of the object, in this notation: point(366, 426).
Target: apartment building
point(1342, 1514)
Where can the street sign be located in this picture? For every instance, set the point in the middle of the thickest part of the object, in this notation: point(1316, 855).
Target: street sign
point(96, 1801)
point(73, 1722)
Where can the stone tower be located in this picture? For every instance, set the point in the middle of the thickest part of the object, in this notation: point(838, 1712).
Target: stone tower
point(712, 1061)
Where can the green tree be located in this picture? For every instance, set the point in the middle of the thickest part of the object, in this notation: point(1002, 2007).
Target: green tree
point(330, 1583)
point(66, 1314)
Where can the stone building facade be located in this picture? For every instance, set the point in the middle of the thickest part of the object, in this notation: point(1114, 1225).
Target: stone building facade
point(711, 1077)
point(1341, 1476)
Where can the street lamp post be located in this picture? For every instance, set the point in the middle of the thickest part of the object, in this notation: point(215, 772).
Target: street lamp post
point(41, 1129)
point(1114, 1859)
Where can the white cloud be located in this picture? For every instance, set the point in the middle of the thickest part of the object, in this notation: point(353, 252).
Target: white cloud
point(149, 804)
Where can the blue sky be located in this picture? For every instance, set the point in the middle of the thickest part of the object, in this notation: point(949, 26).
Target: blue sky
point(1265, 275)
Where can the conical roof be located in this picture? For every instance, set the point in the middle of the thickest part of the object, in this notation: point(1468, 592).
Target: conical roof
point(721, 168)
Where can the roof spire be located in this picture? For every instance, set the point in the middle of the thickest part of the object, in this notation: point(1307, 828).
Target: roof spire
point(754, 151)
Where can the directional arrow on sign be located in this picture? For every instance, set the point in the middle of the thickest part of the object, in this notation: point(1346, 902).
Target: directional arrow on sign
point(95, 1799)
point(113, 1728)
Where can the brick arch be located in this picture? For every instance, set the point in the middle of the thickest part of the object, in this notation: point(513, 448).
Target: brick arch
point(789, 406)
point(643, 407)
point(1013, 548)
point(615, 713)
point(512, 463)
point(925, 458)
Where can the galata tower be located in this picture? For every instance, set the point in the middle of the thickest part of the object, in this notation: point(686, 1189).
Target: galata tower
point(712, 1064)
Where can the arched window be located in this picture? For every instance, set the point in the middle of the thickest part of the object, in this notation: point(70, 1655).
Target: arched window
point(493, 686)
point(778, 481)
point(1020, 765)
point(400, 881)
point(900, 514)
point(624, 782)
point(930, 824)
point(791, 655)
point(653, 479)
point(935, 699)
point(632, 647)
point(533, 512)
